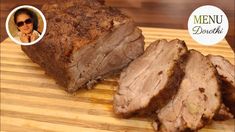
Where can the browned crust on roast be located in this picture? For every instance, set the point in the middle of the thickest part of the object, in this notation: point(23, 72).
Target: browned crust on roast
point(228, 96)
point(84, 21)
point(72, 26)
point(223, 114)
point(57, 72)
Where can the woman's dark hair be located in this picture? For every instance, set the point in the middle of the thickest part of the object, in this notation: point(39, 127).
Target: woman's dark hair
point(30, 13)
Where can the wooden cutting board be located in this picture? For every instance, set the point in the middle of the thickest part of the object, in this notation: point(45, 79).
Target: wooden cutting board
point(32, 101)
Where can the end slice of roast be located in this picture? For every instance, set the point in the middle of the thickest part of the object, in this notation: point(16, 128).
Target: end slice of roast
point(226, 72)
point(150, 81)
point(85, 41)
point(197, 99)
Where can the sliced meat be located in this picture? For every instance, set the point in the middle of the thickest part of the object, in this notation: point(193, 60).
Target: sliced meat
point(85, 41)
point(223, 114)
point(197, 99)
point(227, 75)
point(151, 80)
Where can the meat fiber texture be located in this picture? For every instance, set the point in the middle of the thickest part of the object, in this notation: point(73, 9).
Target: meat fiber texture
point(197, 100)
point(84, 42)
point(226, 72)
point(150, 81)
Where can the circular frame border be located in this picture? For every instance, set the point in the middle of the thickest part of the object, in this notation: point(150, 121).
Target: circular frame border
point(31, 7)
point(208, 44)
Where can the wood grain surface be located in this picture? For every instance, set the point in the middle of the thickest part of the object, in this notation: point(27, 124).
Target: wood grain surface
point(32, 102)
point(148, 13)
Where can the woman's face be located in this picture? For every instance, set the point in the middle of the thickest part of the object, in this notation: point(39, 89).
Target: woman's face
point(27, 26)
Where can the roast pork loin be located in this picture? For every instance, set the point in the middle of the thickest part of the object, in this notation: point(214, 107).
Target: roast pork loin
point(226, 72)
point(197, 99)
point(85, 41)
point(150, 81)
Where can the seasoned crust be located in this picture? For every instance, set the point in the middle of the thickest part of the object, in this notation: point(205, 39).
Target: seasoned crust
point(223, 114)
point(74, 24)
point(81, 40)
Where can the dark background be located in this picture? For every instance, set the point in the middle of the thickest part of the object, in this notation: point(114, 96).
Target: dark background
point(150, 13)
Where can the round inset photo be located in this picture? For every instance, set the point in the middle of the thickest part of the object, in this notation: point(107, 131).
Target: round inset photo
point(26, 25)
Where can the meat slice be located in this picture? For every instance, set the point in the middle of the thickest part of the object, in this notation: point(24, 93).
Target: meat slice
point(85, 41)
point(227, 75)
point(197, 99)
point(223, 114)
point(151, 80)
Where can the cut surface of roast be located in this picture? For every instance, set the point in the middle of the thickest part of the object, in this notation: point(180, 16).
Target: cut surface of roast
point(84, 42)
point(226, 73)
point(197, 99)
point(150, 81)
